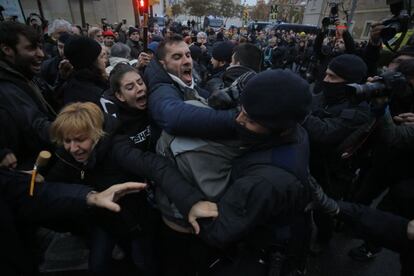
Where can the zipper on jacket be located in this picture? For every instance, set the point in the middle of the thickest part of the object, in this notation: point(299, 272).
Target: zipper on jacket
point(82, 171)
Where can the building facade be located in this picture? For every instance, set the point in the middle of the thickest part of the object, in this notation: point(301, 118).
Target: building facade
point(366, 12)
point(95, 10)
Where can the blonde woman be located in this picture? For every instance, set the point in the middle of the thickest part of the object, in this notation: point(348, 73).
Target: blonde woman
point(91, 152)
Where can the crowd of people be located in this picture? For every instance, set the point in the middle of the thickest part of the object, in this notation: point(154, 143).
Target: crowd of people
point(229, 145)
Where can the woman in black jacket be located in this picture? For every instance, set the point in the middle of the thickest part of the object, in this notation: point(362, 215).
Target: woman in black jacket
point(88, 80)
point(126, 101)
point(94, 154)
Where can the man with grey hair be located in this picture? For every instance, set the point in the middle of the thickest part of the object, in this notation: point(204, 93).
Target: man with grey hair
point(96, 34)
point(202, 44)
point(120, 53)
point(55, 29)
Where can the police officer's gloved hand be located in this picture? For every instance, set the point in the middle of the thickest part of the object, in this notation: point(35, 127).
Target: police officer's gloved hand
point(320, 201)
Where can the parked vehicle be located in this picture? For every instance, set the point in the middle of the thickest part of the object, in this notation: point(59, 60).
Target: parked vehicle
point(297, 28)
point(159, 20)
point(213, 22)
point(258, 25)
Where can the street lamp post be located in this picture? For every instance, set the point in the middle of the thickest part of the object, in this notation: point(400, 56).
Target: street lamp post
point(82, 12)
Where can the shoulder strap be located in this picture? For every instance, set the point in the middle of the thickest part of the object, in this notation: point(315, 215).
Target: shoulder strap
point(285, 157)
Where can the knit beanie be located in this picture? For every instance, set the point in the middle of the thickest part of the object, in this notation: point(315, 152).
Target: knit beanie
point(132, 30)
point(277, 99)
point(222, 51)
point(195, 52)
point(82, 51)
point(349, 67)
point(64, 37)
point(153, 46)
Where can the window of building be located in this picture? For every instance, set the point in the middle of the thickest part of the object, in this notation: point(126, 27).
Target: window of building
point(367, 30)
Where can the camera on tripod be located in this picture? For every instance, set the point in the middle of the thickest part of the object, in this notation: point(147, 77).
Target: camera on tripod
point(384, 86)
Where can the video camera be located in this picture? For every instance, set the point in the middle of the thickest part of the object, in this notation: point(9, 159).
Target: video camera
point(333, 15)
point(228, 97)
point(384, 86)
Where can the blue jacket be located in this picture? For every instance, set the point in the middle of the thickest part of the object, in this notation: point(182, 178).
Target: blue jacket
point(169, 111)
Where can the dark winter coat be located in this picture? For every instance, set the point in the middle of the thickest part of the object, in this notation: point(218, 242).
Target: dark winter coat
point(215, 81)
point(25, 116)
point(136, 48)
point(233, 73)
point(83, 86)
point(268, 188)
point(50, 70)
point(328, 126)
point(19, 211)
point(132, 122)
point(50, 47)
point(115, 159)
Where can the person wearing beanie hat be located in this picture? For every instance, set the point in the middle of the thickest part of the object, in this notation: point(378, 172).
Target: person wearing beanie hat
point(220, 60)
point(134, 42)
point(221, 54)
point(273, 103)
point(132, 30)
point(350, 68)
point(88, 79)
point(109, 38)
point(82, 51)
point(342, 70)
point(268, 180)
point(336, 117)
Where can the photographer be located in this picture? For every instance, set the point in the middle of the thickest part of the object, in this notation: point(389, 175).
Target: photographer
point(325, 50)
point(335, 117)
point(390, 168)
point(394, 130)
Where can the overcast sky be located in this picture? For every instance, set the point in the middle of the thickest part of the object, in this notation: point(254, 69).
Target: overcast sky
point(250, 2)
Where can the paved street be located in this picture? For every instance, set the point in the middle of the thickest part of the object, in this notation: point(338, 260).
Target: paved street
point(333, 262)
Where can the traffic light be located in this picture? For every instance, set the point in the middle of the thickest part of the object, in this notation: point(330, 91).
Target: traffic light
point(245, 13)
point(142, 6)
